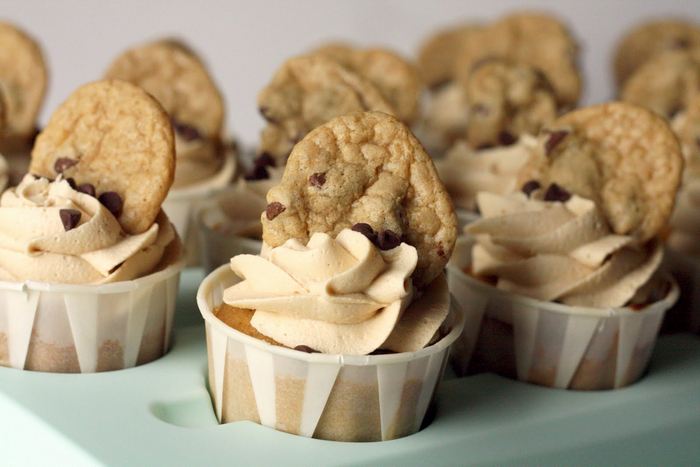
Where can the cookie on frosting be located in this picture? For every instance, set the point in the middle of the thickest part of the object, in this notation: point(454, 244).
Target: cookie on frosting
point(437, 55)
point(666, 82)
point(506, 100)
point(306, 92)
point(623, 157)
point(535, 39)
point(649, 39)
point(364, 168)
point(23, 80)
point(196, 100)
point(116, 137)
point(395, 77)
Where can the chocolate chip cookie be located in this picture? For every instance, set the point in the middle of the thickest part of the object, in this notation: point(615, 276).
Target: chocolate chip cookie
point(687, 128)
point(116, 141)
point(535, 39)
point(306, 92)
point(395, 77)
point(666, 82)
point(623, 157)
point(506, 100)
point(649, 39)
point(364, 168)
point(437, 55)
point(23, 79)
point(195, 104)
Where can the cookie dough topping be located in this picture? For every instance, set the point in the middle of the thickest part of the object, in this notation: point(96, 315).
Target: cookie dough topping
point(50, 231)
point(337, 295)
point(553, 246)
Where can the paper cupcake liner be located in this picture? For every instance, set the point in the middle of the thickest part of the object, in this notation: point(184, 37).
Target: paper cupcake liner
point(685, 314)
point(552, 344)
point(180, 204)
point(65, 328)
point(464, 218)
point(335, 397)
point(217, 248)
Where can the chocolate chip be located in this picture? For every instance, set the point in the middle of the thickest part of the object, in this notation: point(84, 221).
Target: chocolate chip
point(480, 110)
point(318, 179)
point(264, 160)
point(265, 112)
point(187, 132)
point(556, 193)
point(113, 202)
point(388, 239)
point(70, 218)
point(530, 186)
point(366, 230)
point(71, 182)
point(554, 139)
point(63, 163)
point(274, 209)
point(259, 172)
point(506, 139)
point(87, 188)
point(305, 348)
point(441, 251)
point(681, 43)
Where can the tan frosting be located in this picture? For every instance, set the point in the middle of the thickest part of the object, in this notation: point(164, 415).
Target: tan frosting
point(465, 171)
point(558, 251)
point(34, 244)
point(339, 296)
point(197, 160)
point(238, 209)
point(4, 173)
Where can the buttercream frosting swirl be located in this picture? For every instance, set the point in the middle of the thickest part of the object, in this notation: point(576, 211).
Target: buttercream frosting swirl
point(558, 251)
point(466, 172)
point(197, 159)
point(36, 244)
point(340, 296)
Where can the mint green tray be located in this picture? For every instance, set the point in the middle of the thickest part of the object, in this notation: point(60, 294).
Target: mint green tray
point(161, 414)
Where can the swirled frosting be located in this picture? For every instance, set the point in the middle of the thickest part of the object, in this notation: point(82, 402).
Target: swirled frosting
point(38, 241)
point(558, 251)
point(466, 172)
point(237, 210)
point(340, 296)
point(197, 159)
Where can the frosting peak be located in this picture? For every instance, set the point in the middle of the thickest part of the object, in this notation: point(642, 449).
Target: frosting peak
point(36, 243)
point(339, 295)
point(561, 251)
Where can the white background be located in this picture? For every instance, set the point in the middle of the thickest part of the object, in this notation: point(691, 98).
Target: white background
point(244, 41)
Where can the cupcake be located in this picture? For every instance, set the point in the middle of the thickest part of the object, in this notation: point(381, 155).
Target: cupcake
point(23, 81)
point(341, 327)
point(89, 264)
point(206, 162)
point(565, 274)
point(508, 78)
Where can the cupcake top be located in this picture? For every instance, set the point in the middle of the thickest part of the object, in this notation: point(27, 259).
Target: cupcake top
point(466, 171)
point(584, 231)
point(172, 72)
point(92, 211)
point(357, 235)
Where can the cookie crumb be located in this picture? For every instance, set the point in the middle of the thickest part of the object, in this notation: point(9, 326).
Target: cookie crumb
point(274, 209)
